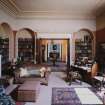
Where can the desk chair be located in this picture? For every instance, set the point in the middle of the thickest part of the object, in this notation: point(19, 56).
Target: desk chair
point(98, 78)
point(74, 75)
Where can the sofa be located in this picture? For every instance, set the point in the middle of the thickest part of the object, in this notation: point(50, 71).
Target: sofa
point(22, 75)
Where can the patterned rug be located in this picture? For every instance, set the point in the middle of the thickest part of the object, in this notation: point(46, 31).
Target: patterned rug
point(20, 103)
point(65, 96)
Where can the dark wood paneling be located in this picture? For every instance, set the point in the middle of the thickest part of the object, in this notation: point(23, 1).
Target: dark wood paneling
point(68, 57)
point(100, 53)
point(100, 35)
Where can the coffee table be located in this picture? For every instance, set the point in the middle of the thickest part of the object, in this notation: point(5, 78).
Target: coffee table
point(29, 91)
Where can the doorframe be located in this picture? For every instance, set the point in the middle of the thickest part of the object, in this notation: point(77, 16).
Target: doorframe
point(41, 39)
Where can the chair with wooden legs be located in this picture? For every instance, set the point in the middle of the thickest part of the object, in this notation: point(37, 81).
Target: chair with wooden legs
point(75, 75)
point(98, 79)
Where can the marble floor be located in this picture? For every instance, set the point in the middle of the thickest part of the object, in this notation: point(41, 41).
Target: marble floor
point(55, 80)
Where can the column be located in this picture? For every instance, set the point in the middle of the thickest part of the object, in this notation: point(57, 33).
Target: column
point(35, 52)
point(68, 57)
point(15, 45)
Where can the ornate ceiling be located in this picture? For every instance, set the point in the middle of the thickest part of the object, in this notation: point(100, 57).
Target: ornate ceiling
point(61, 9)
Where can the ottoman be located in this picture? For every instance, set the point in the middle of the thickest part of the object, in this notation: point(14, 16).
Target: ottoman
point(29, 91)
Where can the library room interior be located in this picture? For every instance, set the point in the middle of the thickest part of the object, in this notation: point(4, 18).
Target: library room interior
point(52, 52)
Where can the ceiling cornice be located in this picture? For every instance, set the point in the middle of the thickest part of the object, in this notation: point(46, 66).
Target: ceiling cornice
point(53, 15)
point(10, 7)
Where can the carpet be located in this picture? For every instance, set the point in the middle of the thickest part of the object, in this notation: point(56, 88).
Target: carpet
point(66, 96)
point(20, 103)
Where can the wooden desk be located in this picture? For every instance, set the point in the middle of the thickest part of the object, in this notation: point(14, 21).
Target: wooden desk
point(84, 71)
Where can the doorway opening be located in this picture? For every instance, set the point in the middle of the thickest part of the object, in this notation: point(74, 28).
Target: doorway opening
point(54, 51)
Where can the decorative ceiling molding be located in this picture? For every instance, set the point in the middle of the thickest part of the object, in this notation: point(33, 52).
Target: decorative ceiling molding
point(10, 7)
point(53, 15)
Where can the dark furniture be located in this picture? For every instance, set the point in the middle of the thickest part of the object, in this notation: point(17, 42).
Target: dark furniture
point(74, 75)
point(85, 72)
point(29, 91)
point(99, 82)
point(100, 56)
point(54, 56)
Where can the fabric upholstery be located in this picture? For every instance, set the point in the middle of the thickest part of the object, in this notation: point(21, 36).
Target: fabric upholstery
point(5, 99)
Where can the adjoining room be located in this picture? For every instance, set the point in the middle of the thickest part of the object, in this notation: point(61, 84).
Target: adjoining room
point(52, 52)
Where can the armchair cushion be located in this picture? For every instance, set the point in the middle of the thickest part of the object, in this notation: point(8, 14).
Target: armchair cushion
point(23, 72)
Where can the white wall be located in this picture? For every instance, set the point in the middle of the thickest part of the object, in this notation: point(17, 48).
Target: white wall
point(48, 25)
point(53, 35)
point(4, 17)
point(56, 26)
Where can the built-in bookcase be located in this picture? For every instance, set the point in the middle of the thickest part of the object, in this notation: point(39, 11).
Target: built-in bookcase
point(83, 48)
point(4, 50)
point(25, 49)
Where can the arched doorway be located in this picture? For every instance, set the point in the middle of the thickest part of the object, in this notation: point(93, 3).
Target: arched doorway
point(84, 46)
point(25, 45)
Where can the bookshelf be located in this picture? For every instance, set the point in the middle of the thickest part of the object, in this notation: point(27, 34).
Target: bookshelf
point(25, 49)
point(4, 50)
point(83, 48)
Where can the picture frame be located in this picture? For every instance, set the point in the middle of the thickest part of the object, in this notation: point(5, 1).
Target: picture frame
point(54, 47)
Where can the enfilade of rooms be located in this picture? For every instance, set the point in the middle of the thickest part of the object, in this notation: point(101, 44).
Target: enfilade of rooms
point(52, 52)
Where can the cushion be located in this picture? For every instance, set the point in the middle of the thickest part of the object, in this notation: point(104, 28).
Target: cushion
point(23, 72)
point(33, 72)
